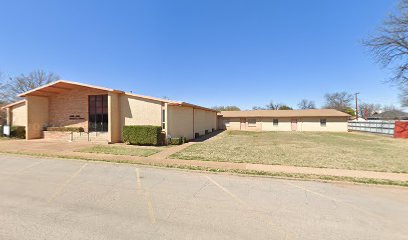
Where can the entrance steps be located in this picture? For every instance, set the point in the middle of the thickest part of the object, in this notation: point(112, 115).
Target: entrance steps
point(96, 137)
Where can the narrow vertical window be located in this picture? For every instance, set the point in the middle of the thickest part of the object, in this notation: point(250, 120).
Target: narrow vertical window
point(322, 122)
point(275, 122)
point(163, 118)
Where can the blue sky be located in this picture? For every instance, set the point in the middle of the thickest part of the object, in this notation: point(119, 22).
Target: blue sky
point(209, 52)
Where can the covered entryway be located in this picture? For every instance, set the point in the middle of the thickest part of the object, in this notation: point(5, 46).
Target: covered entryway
point(73, 105)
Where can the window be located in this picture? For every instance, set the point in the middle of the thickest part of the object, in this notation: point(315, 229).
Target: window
point(227, 123)
point(251, 122)
point(163, 119)
point(323, 122)
point(275, 122)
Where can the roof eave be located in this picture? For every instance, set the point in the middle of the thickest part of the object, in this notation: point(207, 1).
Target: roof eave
point(13, 104)
point(67, 82)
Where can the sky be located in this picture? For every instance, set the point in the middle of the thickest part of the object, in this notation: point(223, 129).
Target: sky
point(213, 52)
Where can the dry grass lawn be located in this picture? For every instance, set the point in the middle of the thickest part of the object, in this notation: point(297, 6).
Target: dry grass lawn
point(117, 150)
point(310, 149)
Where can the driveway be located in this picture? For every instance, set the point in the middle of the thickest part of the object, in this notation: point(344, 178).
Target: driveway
point(65, 199)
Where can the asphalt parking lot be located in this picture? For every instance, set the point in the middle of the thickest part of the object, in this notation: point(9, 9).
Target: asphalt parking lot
point(72, 199)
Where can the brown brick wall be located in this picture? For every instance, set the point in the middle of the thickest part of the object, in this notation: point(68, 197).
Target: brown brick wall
point(72, 102)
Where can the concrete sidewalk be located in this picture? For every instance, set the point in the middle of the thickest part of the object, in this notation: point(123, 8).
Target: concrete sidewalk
point(68, 150)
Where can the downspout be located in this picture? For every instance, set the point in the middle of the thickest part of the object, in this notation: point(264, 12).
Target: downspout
point(193, 124)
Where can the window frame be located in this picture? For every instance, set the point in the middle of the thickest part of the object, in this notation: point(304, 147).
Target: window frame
point(227, 122)
point(163, 119)
point(275, 122)
point(251, 124)
point(323, 122)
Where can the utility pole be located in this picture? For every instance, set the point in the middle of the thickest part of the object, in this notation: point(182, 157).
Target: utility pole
point(356, 105)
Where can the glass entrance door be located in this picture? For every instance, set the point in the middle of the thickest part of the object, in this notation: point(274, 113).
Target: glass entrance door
point(98, 113)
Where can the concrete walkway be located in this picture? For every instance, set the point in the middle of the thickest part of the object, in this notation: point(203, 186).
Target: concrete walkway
point(68, 150)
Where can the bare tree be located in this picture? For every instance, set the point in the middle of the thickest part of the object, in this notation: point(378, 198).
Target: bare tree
point(404, 96)
point(391, 107)
point(306, 104)
point(338, 100)
point(390, 46)
point(285, 107)
point(273, 106)
point(368, 109)
point(258, 108)
point(24, 83)
point(226, 108)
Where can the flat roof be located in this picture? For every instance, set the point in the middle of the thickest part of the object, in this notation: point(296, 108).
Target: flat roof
point(285, 113)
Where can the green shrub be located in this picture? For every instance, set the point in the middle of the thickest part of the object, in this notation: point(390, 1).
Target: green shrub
point(142, 135)
point(1, 131)
point(177, 141)
point(18, 132)
point(65, 129)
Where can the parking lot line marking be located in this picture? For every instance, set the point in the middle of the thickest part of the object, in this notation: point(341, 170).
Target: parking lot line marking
point(146, 196)
point(62, 186)
point(21, 170)
point(28, 167)
point(233, 196)
point(335, 200)
point(262, 218)
point(138, 181)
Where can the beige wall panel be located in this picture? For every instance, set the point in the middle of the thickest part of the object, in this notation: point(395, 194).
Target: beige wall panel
point(180, 122)
point(139, 111)
point(284, 124)
point(114, 119)
point(234, 123)
point(251, 127)
point(204, 120)
point(333, 124)
point(18, 115)
point(37, 116)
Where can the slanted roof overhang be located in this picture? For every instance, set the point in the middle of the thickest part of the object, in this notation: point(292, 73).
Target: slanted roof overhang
point(184, 104)
point(13, 104)
point(61, 86)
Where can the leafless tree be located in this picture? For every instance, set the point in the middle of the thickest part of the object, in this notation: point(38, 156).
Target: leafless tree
point(404, 96)
point(390, 46)
point(306, 104)
point(390, 108)
point(273, 106)
point(23, 83)
point(226, 108)
point(285, 107)
point(368, 109)
point(338, 100)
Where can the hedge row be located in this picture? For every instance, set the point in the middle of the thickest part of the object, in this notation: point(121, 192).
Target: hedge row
point(177, 141)
point(143, 135)
point(65, 129)
point(18, 132)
